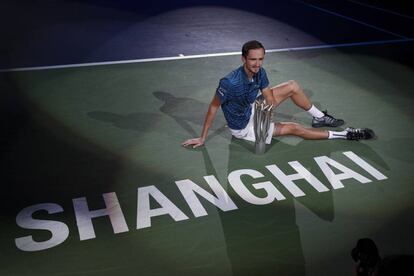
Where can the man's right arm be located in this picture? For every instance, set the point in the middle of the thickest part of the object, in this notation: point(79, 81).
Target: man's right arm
point(208, 121)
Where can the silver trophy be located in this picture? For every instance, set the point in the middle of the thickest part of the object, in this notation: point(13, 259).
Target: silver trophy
point(262, 120)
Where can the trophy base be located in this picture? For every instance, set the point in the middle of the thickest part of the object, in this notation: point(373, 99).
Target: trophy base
point(260, 148)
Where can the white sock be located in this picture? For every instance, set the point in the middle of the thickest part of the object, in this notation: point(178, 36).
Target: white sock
point(337, 134)
point(315, 112)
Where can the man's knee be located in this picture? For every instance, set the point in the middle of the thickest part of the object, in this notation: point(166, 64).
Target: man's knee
point(294, 85)
point(289, 129)
point(296, 129)
point(286, 89)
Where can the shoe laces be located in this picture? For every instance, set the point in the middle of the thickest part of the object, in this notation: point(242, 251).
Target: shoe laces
point(356, 133)
point(328, 118)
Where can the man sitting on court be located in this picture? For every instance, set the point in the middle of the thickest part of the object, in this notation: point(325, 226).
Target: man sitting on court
point(238, 91)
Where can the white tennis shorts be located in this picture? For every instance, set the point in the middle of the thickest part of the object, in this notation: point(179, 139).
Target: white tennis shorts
point(247, 133)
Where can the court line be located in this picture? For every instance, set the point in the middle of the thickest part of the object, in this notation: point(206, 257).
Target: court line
point(180, 57)
point(351, 19)
point(381, 9)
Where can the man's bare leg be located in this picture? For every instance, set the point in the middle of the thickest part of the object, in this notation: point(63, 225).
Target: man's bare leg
point(294, 129)
point(291, 89)
point(283, 129)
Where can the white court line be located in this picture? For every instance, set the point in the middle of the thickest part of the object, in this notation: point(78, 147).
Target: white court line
point(181, 56)
point(381, 9)
point(352, 19)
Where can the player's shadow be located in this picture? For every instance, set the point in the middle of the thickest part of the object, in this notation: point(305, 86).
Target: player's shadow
point(187, 112)
point(138, 121)
point(261, 239)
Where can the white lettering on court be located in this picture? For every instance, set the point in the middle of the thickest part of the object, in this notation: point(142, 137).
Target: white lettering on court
point(84, 216)
point(335, 179)
point(145, 213)
point(363, 164)
point(191, 193)
point(302, 173)
point(188, 189)
point(59, 230)
point(272, 193)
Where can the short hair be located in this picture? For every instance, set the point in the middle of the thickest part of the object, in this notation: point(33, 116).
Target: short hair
point(250, 45)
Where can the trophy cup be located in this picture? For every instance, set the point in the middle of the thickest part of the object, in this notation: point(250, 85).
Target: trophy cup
point(262, 120)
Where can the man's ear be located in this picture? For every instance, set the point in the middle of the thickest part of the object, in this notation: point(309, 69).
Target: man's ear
point(243, 59)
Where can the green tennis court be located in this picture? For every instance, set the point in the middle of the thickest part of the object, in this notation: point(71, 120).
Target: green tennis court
point(108, 138)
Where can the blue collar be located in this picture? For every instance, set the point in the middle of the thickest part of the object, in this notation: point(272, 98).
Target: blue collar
point(244, 76)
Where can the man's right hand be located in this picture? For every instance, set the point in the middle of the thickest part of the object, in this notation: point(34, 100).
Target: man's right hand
point(195, 142)
point(212, 110)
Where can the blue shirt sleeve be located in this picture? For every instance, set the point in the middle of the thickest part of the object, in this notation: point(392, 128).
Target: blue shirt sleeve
point(223, 90)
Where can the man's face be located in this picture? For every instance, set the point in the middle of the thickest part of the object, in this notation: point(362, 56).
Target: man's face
point(253, 61)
